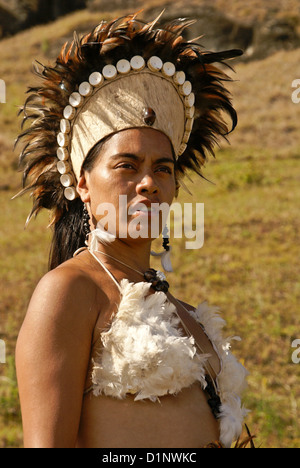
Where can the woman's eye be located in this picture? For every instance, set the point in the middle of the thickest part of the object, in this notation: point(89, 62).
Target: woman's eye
point(130, 166)
point(125, 166)
point(165, 169)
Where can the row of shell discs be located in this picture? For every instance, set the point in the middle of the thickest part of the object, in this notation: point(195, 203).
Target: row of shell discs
point(123, 67)
point(109, 73)
point(76, 99)
point(67, 178)
point(168, 69)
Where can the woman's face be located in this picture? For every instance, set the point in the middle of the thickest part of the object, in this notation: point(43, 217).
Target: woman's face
point(137, 164)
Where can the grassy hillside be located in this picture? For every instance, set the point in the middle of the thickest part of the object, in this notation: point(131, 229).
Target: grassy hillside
point(249, 265)
point(259, 10)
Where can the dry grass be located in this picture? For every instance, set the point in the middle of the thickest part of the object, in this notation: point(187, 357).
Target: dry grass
point(249, 265)
point(268, 119)
point(259, 10)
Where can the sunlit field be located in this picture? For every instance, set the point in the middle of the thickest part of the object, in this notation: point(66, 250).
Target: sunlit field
point(249, 264)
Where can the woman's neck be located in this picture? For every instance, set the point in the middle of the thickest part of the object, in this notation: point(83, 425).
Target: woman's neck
point(136, 255)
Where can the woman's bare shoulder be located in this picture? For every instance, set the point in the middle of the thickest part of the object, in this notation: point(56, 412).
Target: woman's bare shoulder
point(64, 280)
point(68, 291)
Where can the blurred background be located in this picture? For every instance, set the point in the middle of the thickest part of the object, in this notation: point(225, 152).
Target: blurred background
point(249, 265)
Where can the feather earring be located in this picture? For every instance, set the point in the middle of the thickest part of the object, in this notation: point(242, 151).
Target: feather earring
point(166, 254)
point(100, 235)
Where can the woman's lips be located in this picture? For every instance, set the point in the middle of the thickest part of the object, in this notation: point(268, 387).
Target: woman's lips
point(141, 209)
point(148, 212)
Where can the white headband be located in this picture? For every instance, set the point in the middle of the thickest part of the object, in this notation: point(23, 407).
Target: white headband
point(132, 94)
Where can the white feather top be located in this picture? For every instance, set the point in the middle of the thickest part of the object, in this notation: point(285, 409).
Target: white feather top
point(145, 353)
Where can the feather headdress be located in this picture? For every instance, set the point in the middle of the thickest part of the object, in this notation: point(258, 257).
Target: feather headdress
point(108, 44)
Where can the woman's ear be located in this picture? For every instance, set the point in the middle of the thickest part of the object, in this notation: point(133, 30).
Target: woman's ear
point(83, 187)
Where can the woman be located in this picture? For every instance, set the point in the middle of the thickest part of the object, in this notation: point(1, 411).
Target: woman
point(106, 356)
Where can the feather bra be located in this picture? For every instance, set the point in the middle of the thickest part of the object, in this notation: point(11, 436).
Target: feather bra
point(144, 353)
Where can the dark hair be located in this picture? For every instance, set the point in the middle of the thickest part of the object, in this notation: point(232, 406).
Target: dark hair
point(69, 234)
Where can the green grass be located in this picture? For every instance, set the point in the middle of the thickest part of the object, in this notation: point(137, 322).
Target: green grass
point(22, 263)
point(249, 264)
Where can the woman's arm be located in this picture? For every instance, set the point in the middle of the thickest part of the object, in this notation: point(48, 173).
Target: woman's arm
point(52, 356)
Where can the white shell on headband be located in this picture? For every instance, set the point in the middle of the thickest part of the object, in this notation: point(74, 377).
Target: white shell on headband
point(190, 112)
point(109, 72)
point(182, 149)
point(168, 69)
point(63, 167)
point(179, 78)
point(190, 100)
point(70, 193)
point(63, 139)
point(63, 154)
point(137, 63)
point(186, 88)
point(65, 126)
point(69, 112)
point(186, 136)
point(67, 180)
point(76, 99)
point(85, 89)
point(96, 79)
point(155, 64)
point(124, 67)
point(189, 124)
